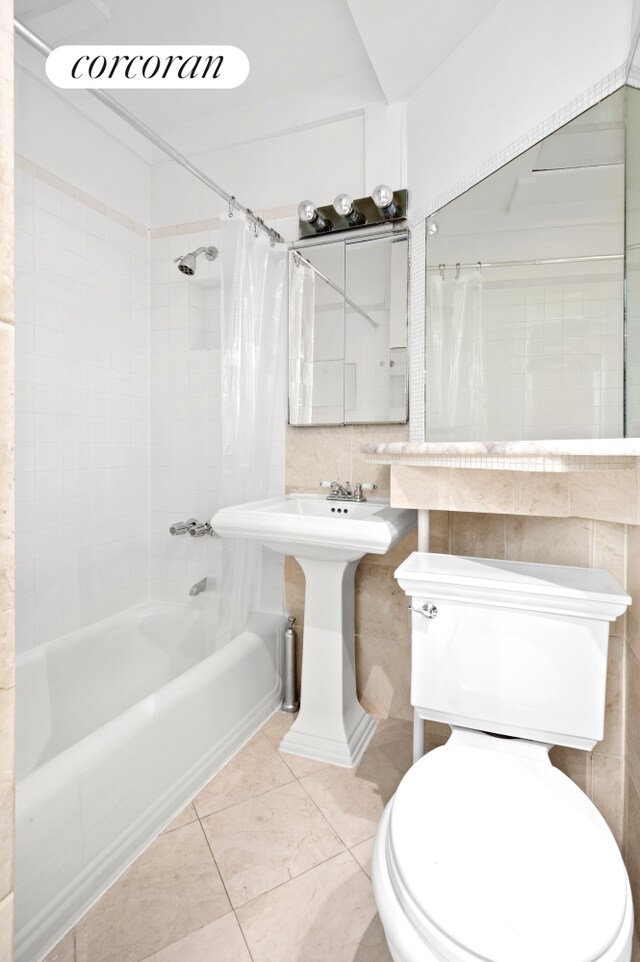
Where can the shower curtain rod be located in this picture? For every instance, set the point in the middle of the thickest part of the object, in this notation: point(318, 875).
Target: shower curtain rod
point(35, 41)
point(298, 257)
point(530, 263)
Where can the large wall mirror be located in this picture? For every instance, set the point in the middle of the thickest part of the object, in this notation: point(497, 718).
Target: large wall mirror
point(526, 334)
point(348, 329)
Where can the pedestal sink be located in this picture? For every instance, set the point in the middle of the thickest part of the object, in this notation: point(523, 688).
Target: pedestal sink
point(328, 538)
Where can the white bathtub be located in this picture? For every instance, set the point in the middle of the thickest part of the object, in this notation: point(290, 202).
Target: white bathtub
point(119, 725)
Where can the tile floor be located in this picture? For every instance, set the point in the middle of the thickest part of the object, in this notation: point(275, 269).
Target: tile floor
point(270, 862)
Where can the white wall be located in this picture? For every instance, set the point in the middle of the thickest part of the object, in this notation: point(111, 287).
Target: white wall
point(74, 137)
point(523, 63)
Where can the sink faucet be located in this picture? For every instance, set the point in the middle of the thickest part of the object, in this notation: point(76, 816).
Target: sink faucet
point(343, 492)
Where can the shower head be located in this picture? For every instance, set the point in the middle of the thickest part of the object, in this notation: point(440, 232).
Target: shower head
point(187, 262)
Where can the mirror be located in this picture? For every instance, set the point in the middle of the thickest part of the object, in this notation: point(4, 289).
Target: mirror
point(348, 330)
point(525, 292)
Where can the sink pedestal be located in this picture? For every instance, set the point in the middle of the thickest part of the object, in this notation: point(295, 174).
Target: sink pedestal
point(332, 725)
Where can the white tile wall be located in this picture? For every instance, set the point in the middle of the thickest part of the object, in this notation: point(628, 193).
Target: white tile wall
point(82, 412)
point(552, 356)
point(185, 423)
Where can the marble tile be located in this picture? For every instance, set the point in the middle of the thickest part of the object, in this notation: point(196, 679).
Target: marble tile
point(363, 854)
point(257, 768)
point(632, 722)
point(6, 928)
point(172, 890)
point(610, 549)
point(420, 488)
point(607, 773)
point(633, 587)
point(381, 604)
point(220, 941)
point(302, 766)
point(575, 763)
point(265, 841)
point(481, 491)
point(7, 649)
point(276, 727)
point(362, 470)
point(317, 454)
point(396, 555)
point(383, 675)
point(612, 743)
point(7, 730)
point(478, 535)
point(7, 563)
point(185, 817)
point(541, 494)
point(632, 842)
point(327, 913)
point(560, 541)
point(7, 829)
point(439, 531)
point(351, 800)
point(606, 495)
point(65, 950)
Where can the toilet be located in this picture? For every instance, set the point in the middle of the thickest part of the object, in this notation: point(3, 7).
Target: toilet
point(487, 852)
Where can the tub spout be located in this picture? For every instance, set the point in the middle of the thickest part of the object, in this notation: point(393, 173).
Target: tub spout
point(199, 587)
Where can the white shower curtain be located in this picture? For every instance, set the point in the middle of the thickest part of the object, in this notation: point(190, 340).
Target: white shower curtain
point(302, 304)
point(455, 377)
point(253, 328)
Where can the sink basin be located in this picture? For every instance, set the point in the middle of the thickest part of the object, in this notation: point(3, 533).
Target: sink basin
point(305, 525)
point(328, 538)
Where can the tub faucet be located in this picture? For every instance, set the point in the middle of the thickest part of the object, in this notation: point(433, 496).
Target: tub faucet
point(199, 587)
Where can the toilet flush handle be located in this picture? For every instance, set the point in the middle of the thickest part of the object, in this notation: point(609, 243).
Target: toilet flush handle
point(429, 610)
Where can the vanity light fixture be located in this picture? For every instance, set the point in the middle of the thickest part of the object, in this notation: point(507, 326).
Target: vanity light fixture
point(309, 215)
point(384, 199)
point(383, 207)
point(432, 227)
point(343, 205)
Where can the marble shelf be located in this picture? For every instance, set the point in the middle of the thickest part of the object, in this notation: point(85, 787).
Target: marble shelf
point(609, 454)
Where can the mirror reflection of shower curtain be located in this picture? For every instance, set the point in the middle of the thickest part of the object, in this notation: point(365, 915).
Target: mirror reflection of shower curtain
point(302, 303)
point(456, 376)
point(253, 342)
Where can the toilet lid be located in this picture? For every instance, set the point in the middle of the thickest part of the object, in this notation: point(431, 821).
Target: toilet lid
point(505, 856)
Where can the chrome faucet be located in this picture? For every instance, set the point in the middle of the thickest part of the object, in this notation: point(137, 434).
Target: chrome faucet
point(199, 587)
point(343, 492)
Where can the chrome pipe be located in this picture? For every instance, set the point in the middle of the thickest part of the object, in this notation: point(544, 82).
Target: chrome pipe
point(32, 38)
point(290, 701)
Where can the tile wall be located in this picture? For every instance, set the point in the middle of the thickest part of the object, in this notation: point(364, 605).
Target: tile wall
point(82, 409)
point(7, 581)
point(550, 349)
point(382, 623)
point(185, 423)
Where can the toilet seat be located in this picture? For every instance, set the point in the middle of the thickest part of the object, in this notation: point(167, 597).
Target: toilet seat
point(493, 854)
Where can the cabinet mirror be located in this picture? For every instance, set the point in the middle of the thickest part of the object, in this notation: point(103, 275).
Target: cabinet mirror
point(348, 329)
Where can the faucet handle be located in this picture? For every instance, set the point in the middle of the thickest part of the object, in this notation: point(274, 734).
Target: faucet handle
point(325, 484)
point(181, 527)
point(368, 486)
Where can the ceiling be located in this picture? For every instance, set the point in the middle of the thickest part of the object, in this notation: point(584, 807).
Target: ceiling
point(315, 61)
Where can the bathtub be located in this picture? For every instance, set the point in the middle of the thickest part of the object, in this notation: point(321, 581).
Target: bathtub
point(119, 725)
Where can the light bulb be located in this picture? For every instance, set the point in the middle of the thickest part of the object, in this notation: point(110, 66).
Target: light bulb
point(343, 205)
point(306, 211)
point(384, 199)
point(382, 196)
point(309, 215)
point(432, 228)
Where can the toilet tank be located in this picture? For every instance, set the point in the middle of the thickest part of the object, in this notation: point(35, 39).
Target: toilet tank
point(511, 648)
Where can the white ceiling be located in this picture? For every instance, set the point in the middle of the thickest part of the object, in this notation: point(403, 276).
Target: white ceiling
point(311, 62)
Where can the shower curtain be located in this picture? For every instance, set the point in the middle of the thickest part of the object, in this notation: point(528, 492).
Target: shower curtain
point(302, 303)
point(253, 342)
point(456, 377)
